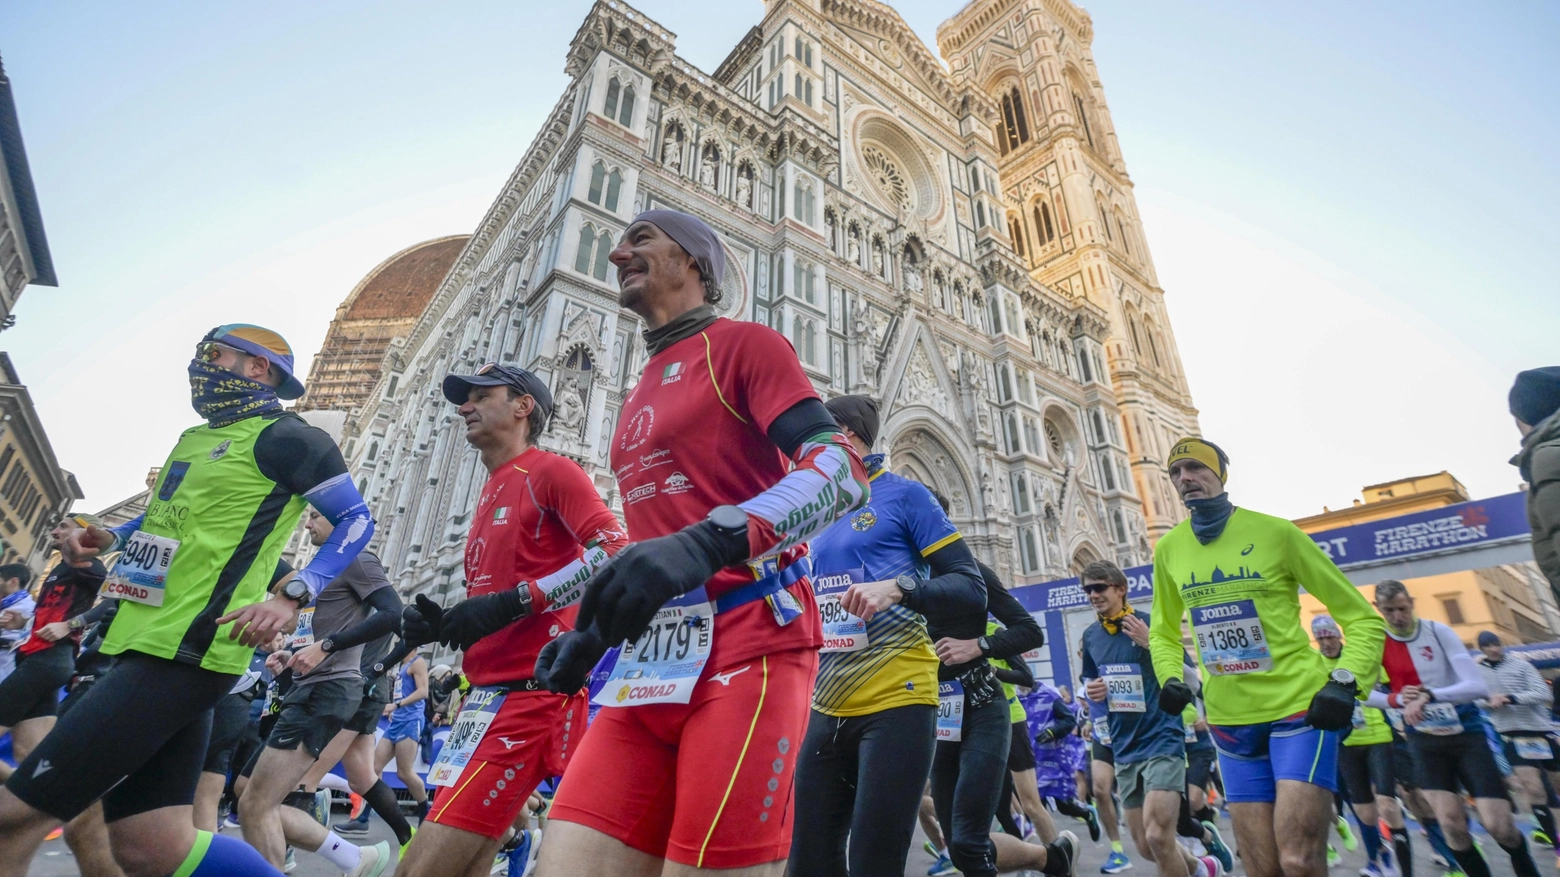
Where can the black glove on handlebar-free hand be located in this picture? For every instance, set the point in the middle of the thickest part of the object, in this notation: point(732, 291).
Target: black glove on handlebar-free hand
point(476, 617)
point(420, 622)
point(1332, 709)
point(1174, 696)
point(624, 595)
point(563, 666)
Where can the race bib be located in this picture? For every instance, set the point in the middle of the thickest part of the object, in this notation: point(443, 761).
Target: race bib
point(1359, 715)
point(950, 711)
point(665, 663)
point(140, 575)
point(303, 634)
point(1102, 730)
point(565, 587)
point(1532, 748)
point(1230, 638)
point(1190, 735)
point(476, 715)
point(1123, 688)
point(1440, 719)
point(1395, 719)
point(842, 631)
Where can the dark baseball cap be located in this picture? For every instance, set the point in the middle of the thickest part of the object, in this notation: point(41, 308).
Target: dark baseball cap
point(458, 387)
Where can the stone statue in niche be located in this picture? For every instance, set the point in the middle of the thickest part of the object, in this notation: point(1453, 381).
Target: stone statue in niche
point(671, 152)
point(707, 174)
point(569, 412)
point(853, 247)
point(744, 191)
point(877, 259)
point(912, 278)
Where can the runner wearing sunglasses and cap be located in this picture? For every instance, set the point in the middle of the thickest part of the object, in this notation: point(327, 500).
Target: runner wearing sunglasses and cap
point(537, 532)
point(727, 463)
point(191, 579)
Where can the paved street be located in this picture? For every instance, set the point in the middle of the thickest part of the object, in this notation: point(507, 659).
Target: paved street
point(55, 860)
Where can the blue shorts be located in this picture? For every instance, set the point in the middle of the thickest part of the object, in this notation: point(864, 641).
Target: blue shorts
point(405, 728)
point(1252, 758)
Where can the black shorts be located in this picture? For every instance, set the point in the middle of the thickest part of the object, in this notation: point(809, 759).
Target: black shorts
point(1199, 766)
point(1367, 771)
point(1021, 756)
point(1442, 762)
point(372, 707)
point(32, 691)
point(1526, 740)
point(1100, 752)
point(228, 722)
point(312, 714)
point(136, 740)
point(1403, 764)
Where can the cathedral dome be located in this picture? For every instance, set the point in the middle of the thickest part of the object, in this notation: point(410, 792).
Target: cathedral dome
point(402, 285)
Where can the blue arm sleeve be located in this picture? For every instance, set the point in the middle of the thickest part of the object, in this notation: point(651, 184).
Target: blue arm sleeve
point(341, 504)
point(124, 531)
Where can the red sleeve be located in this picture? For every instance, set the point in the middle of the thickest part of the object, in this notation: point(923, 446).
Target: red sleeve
point(573, 498)
point(765, 375)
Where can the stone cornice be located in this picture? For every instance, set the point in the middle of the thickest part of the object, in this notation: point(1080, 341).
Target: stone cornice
point(879, 18)
point(969, 23)
point(740, 55)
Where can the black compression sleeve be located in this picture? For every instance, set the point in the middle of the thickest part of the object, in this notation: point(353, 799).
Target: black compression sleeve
point(386, 618)
point(1021, 632)
point(397, 654)
point(955, 586)
point(296, 455)
point(1015, 674)
point(95, 614)
point(799, 423)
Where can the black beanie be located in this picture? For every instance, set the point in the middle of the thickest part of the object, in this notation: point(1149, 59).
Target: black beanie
point(857, 413)
point(1535, 395)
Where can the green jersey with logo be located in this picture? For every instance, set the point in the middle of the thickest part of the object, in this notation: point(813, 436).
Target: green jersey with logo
point(1240, 594)
point(230, 523)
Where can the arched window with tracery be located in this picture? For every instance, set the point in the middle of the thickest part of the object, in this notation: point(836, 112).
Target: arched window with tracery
point(614, 188)
point(1016, 232)
point(626, 111)
point(598, 177)
point(1045, 232)
point(1015, 127)
point(587, 246)
point(614, 91)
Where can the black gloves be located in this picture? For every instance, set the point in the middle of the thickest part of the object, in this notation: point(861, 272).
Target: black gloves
point(626, 592)
point(563, 666)
point(476, 617)
point(420, 621)
point(1332, 709)
point(1174, 696)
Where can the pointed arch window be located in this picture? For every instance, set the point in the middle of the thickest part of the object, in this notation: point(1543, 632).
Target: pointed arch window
point(1109, 471)
point(1015, 127)
point(1016, 232)
point(603, 248)
point(586, 247)
point(1105, 221)
point(626, 113)
point(1083, 118)
point(614, 188)
point(598, 175)
point(1044, 231)
point(614, 89)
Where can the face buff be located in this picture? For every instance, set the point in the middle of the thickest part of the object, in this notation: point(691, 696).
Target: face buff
point(1209, 516)
point(224, 398)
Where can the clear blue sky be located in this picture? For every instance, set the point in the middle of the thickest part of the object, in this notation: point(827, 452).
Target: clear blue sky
point(1351, 205)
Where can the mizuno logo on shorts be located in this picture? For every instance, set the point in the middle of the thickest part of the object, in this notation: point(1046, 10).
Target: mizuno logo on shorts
point(725, 678)
point(508, 744)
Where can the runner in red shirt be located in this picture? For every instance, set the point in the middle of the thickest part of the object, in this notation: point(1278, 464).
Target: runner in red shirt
point(727, 463)
point(538, 530)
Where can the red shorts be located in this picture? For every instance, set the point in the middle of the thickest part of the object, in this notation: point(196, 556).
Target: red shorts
point(727, 803)
point(530, 739)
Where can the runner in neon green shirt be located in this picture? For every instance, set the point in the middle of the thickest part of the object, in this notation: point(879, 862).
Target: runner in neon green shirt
point(1274, 710)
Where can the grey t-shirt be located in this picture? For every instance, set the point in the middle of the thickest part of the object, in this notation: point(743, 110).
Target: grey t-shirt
point(339, 606)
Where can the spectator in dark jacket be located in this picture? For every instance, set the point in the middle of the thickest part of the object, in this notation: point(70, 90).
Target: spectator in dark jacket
point(1535, 401)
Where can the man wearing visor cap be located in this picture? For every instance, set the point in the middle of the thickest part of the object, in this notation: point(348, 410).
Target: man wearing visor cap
point(538, 530)
point(727, 463)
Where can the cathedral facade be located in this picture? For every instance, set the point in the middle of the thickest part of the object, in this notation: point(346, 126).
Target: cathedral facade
point(958, 241)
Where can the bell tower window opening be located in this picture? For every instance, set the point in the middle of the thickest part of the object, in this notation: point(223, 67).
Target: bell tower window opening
point(614, 89)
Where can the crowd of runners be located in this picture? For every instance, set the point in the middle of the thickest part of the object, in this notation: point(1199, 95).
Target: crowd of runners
point(779, 662)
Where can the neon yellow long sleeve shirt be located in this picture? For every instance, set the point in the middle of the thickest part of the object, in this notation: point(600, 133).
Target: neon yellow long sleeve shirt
point(1240, 593)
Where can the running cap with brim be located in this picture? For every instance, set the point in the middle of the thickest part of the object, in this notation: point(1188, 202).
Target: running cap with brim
point(458, 387)
point(260, 341)
point(693, 235)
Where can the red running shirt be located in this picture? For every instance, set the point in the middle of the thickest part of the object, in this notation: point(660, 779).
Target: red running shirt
point(66, 593)
point(536, 513)
point(693, 436)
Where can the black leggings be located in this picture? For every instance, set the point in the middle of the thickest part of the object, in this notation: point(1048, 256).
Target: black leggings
point(32, 691)
point(967, 785)
point(861, 777)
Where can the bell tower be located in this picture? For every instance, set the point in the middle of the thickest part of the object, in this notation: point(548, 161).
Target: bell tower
point(1071, 213)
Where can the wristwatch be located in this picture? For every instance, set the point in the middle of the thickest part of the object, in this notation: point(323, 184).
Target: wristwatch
point(298, 592)
point(729, 519)
point(1343, 677)
point(75, 623)
point(907, 586)
point(985, 645)
point(327, 645)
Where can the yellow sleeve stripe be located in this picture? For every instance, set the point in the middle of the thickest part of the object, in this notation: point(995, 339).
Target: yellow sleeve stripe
point(940, 543)
point(714, 383)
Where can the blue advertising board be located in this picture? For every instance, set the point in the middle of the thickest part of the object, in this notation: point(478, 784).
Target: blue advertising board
point(1460, 526)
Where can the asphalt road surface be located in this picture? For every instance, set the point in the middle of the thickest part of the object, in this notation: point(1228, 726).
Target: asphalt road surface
point(55, 860)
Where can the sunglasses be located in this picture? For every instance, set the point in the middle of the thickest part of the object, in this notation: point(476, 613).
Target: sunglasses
point(211, 351)
point(1097, 588)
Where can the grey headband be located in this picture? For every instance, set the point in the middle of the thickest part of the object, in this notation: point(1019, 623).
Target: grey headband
point(693, 235)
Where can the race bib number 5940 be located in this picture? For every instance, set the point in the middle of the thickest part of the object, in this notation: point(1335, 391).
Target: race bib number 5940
point(141, 573)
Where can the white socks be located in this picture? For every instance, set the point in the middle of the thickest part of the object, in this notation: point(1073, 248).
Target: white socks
point(339, 852)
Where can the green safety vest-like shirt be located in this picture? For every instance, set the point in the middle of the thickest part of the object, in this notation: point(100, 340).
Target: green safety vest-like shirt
point(232, 523)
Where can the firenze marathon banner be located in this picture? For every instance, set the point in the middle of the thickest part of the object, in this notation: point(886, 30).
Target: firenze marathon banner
point(1464, 525)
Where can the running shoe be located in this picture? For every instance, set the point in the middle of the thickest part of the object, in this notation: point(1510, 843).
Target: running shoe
point(230, 820)
point(1116, 863)
point(291, 862)
point(1214, 866)
point(56, 834)
point(1387, 858)
point(1332, 856)
point(1370, 871)
point(1092, 819)
point(931, 849)
point(358, 805)
point(1217, 848)
point(320, 807)
point(1542, 839)
point(1350, 842)
point(942, 867)
point(408, 843)
point(1066, 846)
point(373, 862)
point(352, 826)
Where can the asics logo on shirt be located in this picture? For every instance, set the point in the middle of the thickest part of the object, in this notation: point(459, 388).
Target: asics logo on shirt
point(1248, 549)
point(725, 678)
